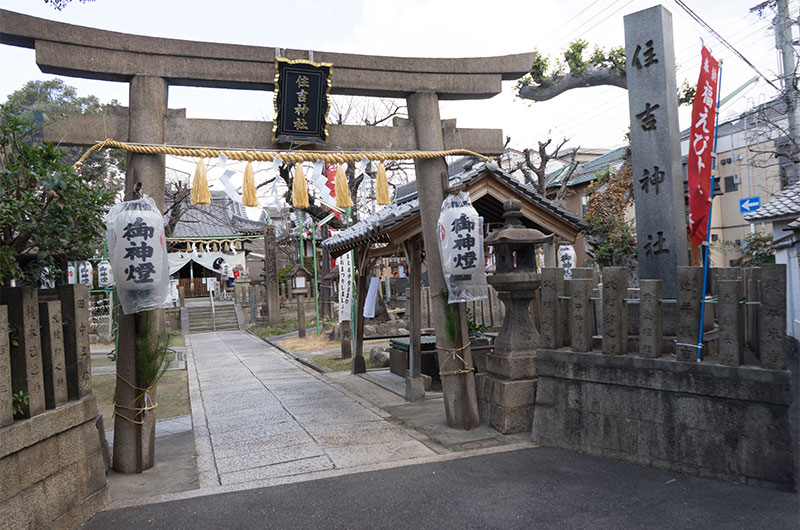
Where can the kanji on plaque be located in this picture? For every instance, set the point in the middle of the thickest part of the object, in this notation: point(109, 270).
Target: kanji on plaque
point(139, 263)
point(302, 90)
point(701, 145)
point(461, 249)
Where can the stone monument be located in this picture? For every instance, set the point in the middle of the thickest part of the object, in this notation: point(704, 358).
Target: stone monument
point(655, 146)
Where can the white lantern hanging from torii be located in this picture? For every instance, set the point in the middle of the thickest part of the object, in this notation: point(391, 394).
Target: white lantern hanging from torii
point(137, 244)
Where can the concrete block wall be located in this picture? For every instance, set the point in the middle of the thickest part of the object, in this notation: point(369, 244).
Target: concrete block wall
point(731, 423)
point(51, 468)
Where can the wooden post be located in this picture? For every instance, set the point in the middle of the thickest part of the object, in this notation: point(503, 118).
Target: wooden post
point(301, 316)
point(359, 365)
point(415, 388)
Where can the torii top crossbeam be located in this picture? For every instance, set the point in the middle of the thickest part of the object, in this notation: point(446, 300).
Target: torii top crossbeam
point(78, 51)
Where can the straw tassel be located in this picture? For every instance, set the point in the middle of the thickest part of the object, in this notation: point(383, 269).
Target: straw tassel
point(200, 193)
point(299, 189)
point(249, 187)
point(343, 199)
point(382, 186)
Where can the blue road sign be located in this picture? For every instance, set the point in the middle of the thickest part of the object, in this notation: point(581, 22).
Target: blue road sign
point(749, 204)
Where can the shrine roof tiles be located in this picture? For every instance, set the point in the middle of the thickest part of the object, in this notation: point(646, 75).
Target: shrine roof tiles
point(787, 204)
point(373, 228)
point(215, 220)
point(587, 171)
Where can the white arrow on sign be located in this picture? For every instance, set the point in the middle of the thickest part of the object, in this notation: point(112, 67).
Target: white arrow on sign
point(749, 204)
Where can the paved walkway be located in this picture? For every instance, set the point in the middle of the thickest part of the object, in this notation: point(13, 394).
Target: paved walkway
point(258, 414)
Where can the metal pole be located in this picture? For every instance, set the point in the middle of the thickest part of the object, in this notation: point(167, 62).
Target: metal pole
point(316, 285)
point(706, 255)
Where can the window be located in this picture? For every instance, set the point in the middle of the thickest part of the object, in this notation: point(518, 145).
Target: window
point(714, 237)
point(730, 184)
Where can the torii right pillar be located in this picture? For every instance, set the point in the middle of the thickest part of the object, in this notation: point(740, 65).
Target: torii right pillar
point(655, 146)
point(460, 398)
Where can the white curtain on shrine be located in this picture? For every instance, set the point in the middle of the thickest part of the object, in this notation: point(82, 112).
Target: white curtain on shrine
point(177, 260)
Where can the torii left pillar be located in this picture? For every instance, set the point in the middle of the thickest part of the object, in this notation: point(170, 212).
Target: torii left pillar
point(134, 442)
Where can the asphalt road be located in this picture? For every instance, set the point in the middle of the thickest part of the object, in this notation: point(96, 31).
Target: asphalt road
point(531, 488)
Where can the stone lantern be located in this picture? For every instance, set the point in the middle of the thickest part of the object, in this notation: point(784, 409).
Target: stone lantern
point(301, 283)
point(509, 387)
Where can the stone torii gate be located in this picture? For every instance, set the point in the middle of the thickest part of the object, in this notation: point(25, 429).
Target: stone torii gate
point(150, 65)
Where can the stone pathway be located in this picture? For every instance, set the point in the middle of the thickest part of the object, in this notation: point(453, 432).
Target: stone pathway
point(258, 414)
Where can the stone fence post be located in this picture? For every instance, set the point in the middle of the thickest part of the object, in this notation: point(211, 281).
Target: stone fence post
point(580, 313)
point(552, 313)
point(730, 321)
point(651, 318)
point(615, 321)
point(26, 352)
point(6, 412)
point(772, 317)
point(690, 283)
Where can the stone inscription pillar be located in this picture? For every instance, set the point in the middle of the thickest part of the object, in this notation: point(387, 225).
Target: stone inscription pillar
point(690, 283)
point(272, 305)
point(615, 309)
point(655, 146)
point(579, 290)
point(55, 380)
point(75, 313)
point(461, 404)
point(730, 322)
point(6, 412)
point(552, 308)
point(651, 322)
point(26, 356)
point(772, 317)
point(134, 444)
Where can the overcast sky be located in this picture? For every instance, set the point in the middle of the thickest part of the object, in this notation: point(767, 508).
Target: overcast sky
point(592, 117)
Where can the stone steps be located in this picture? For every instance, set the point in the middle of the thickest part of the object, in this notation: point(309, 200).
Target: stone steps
point(201, 320)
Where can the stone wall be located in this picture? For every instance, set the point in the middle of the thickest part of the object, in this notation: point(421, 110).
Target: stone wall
point(51, 468)
point(703, 419)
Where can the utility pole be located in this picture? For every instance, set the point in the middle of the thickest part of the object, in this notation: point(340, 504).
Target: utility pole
point(783, 40)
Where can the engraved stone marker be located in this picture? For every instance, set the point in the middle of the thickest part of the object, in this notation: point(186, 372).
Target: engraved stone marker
point(651, 321)
point(655, 146)
point(552, 314)
point(615, 322)
point(580, 313)
point(772, 317)
point(6, 412)
point(690, 283)
point(26, 356)
point(730, 322)
point(75, 312)
point(53, 366)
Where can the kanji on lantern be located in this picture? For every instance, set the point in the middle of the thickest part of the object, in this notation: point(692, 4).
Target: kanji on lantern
point(139, 262)
point(461, 249)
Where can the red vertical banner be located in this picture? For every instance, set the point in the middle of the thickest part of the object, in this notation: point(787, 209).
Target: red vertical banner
point(330, 174)
point(701, 146)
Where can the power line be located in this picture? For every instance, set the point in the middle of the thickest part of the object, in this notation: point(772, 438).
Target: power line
point(724, 42)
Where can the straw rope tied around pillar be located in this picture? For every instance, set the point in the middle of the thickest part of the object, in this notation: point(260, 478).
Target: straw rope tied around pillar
point(382, 186)
point(249, 187)
point(299, 188)
point(343, 199)
point(200, 193)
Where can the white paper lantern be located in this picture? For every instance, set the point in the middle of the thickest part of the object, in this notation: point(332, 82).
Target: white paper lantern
point(566, 260)
point(85, 274)
point(460, 232)
point(105, 275)
point(137, 245)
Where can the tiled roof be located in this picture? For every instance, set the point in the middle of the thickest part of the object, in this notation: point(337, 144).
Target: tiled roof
point(215, 220)
point(373, 228)
point(587, 171)
point(786, 204)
